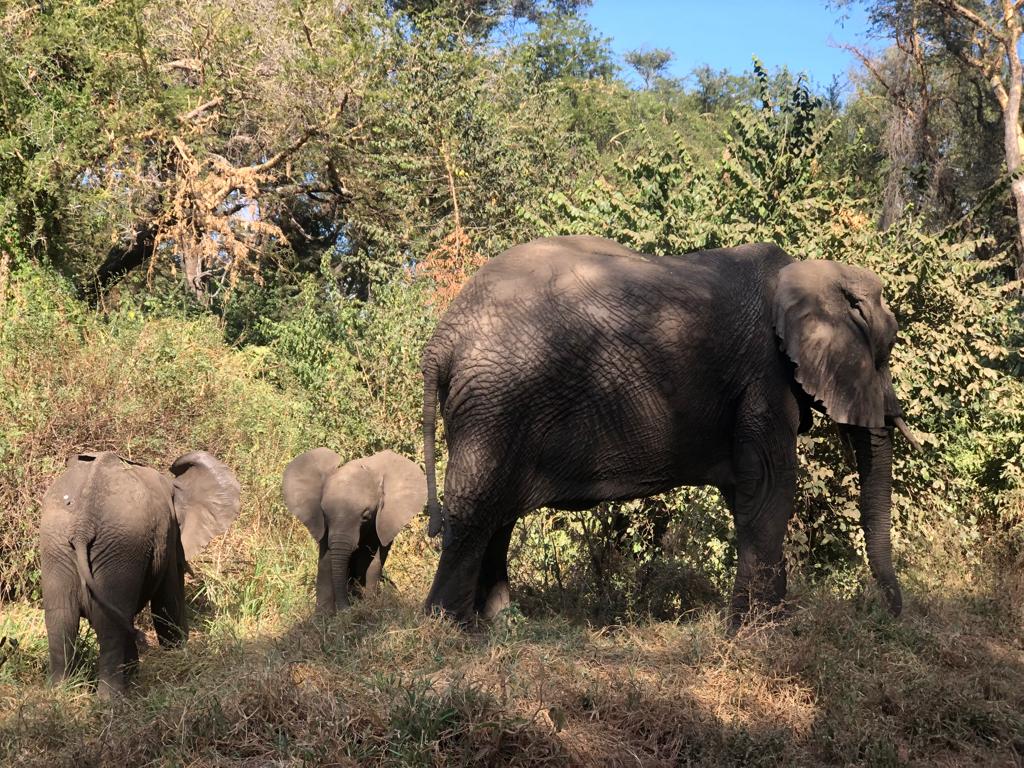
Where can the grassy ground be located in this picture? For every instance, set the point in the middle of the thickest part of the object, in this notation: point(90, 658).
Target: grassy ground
point(837, 683)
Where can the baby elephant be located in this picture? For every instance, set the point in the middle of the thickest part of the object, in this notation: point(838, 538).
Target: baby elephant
point(354, 511)
point(115, 535)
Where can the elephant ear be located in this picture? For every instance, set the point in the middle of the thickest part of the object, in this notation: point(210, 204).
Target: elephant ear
point(404, 492)
point(835, 326)
point(205, 497)
point(303, 487)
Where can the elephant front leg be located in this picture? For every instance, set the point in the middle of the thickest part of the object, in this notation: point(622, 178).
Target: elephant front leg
point(168, 606)
point(374, 570)
point(324, 585)
point(761, 502)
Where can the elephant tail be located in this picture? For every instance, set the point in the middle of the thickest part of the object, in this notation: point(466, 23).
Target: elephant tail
point(430, 377)
point(89, 584)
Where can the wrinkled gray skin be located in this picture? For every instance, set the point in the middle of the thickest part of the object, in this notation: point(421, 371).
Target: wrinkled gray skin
point(572, 371)
point(353, 511)
point(115, 535)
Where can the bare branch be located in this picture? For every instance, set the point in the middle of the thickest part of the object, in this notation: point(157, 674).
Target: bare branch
point(869, 65)
point(967, 14)
point(189, 65)
point(189, 116)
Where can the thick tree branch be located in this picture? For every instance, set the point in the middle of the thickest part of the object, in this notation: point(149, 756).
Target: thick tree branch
point(869, 65)
point(189, 116)
point(121, 259)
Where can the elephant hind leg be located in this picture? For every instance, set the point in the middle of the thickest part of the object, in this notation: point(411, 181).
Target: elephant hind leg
point(118, 655)
point(62, 611)
point(492, 591)
point(457, 580)
point(62, 624)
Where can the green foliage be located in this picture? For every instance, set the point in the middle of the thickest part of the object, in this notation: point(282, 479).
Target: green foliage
point(410, 141)
point(69, 83)
point(357, 362)
point(650, 64)
point(564, 46)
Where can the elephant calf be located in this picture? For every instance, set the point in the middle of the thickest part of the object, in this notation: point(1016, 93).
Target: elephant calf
point(354, 511)
point(115, 535)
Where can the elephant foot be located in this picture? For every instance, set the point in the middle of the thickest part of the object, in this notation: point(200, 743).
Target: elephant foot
point(498, 599)
point(109, 690)
point(760, 613)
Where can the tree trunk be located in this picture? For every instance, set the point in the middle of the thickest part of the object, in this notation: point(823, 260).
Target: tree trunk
point(121, 259)
point(5, 271)
point(1009, 100)
point(1012, 139)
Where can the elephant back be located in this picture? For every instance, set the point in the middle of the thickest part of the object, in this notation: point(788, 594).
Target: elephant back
point(100, 491)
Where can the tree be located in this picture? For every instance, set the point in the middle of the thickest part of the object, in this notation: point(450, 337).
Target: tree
point(984, 37)
point(651, 64)
point(183, 150)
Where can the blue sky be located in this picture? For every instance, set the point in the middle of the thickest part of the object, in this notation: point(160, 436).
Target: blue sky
point(802, 35)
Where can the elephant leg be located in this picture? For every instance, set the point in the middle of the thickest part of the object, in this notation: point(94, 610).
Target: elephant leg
point(168, 607)
point(62, 614)
point(373, 572)
point(122, 586)
point(358, 566)
point(62, 624)
point(762, 503)
point(131, 656)
point(324, 584)
point(115, 655)
point(457, 579)
point(492, 591)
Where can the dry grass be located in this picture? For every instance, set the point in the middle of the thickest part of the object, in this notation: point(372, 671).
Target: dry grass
point(837, 683)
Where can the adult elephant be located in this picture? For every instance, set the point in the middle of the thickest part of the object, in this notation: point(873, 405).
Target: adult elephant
point(115, 535)
point(353, 511)
point(572, 370)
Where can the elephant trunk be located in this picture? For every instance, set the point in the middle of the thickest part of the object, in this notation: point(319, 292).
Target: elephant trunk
point(873, 451)
point(340, 551)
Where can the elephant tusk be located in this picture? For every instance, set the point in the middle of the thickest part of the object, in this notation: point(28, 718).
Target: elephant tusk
point(901, 425)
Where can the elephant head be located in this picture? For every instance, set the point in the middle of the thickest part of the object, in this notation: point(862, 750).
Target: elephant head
point(354, 511)
point(115, 535)
point(836, 328)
